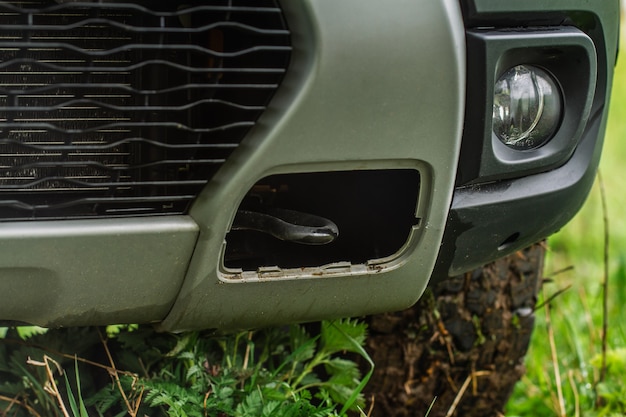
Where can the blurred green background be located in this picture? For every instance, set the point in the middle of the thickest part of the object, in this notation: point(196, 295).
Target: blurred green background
point(564, 361)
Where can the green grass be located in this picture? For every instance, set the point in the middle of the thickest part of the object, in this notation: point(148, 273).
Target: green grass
point(576, 315)
point(135, 371)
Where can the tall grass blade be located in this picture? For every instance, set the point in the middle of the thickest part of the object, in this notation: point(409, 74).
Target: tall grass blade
point(78, 409)
point(430, 407)
point(70, 398)
point(605, 282)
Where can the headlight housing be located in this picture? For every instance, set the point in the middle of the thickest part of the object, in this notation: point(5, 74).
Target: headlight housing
point(527, 107)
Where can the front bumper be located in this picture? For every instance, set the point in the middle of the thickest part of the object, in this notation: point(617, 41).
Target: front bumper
point(371, 86)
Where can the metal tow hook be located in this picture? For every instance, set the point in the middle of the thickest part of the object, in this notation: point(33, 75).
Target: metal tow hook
point(288, 225)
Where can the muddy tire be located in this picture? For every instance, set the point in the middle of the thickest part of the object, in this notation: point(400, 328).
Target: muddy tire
point(466, 338)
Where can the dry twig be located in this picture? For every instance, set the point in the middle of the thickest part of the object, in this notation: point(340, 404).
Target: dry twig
point(51, 385)
point(605, 283)
point(134, 409)
point(371, 409)
point(572, 383)
point(552, 297)
point(15, 401)
point(461, 392)
point(555, 362)
point(68, 356)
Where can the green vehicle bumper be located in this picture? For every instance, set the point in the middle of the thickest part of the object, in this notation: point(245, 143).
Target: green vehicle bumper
point(380, 115)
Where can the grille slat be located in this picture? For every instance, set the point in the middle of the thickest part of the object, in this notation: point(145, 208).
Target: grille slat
point(87, 146)
point(50, 65)
point(100, 52)
point(117, 109)
point(99, 23)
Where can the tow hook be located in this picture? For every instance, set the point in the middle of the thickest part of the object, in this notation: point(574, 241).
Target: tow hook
point(288, 225)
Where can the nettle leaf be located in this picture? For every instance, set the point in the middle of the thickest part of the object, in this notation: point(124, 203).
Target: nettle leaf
point(302, 350)
point(310, 379)
point(302, 345)
point(343, 367)
point(343, 394)
point(354, 334)
point(343, 335)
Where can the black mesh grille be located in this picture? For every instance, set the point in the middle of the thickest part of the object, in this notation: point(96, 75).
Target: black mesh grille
point(113, 108)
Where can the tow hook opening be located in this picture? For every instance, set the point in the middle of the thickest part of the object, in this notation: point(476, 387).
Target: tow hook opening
point(313, 219)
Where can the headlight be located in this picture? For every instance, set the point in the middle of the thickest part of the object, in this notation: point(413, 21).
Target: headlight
point(527, 107)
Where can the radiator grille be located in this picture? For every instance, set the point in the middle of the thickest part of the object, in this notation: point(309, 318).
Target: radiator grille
point(117, 109)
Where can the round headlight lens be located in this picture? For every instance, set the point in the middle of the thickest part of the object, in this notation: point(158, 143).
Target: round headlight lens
point(527, 107)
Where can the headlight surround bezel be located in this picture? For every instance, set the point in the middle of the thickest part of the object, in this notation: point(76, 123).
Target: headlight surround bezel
point(567, 54)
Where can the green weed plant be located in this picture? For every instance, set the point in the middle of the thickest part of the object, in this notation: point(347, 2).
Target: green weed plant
point(274, 372)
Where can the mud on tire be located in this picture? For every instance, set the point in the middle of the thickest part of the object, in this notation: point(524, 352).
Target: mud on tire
point(472, 330)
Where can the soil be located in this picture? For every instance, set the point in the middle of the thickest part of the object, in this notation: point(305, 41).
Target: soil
point(462, 345)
